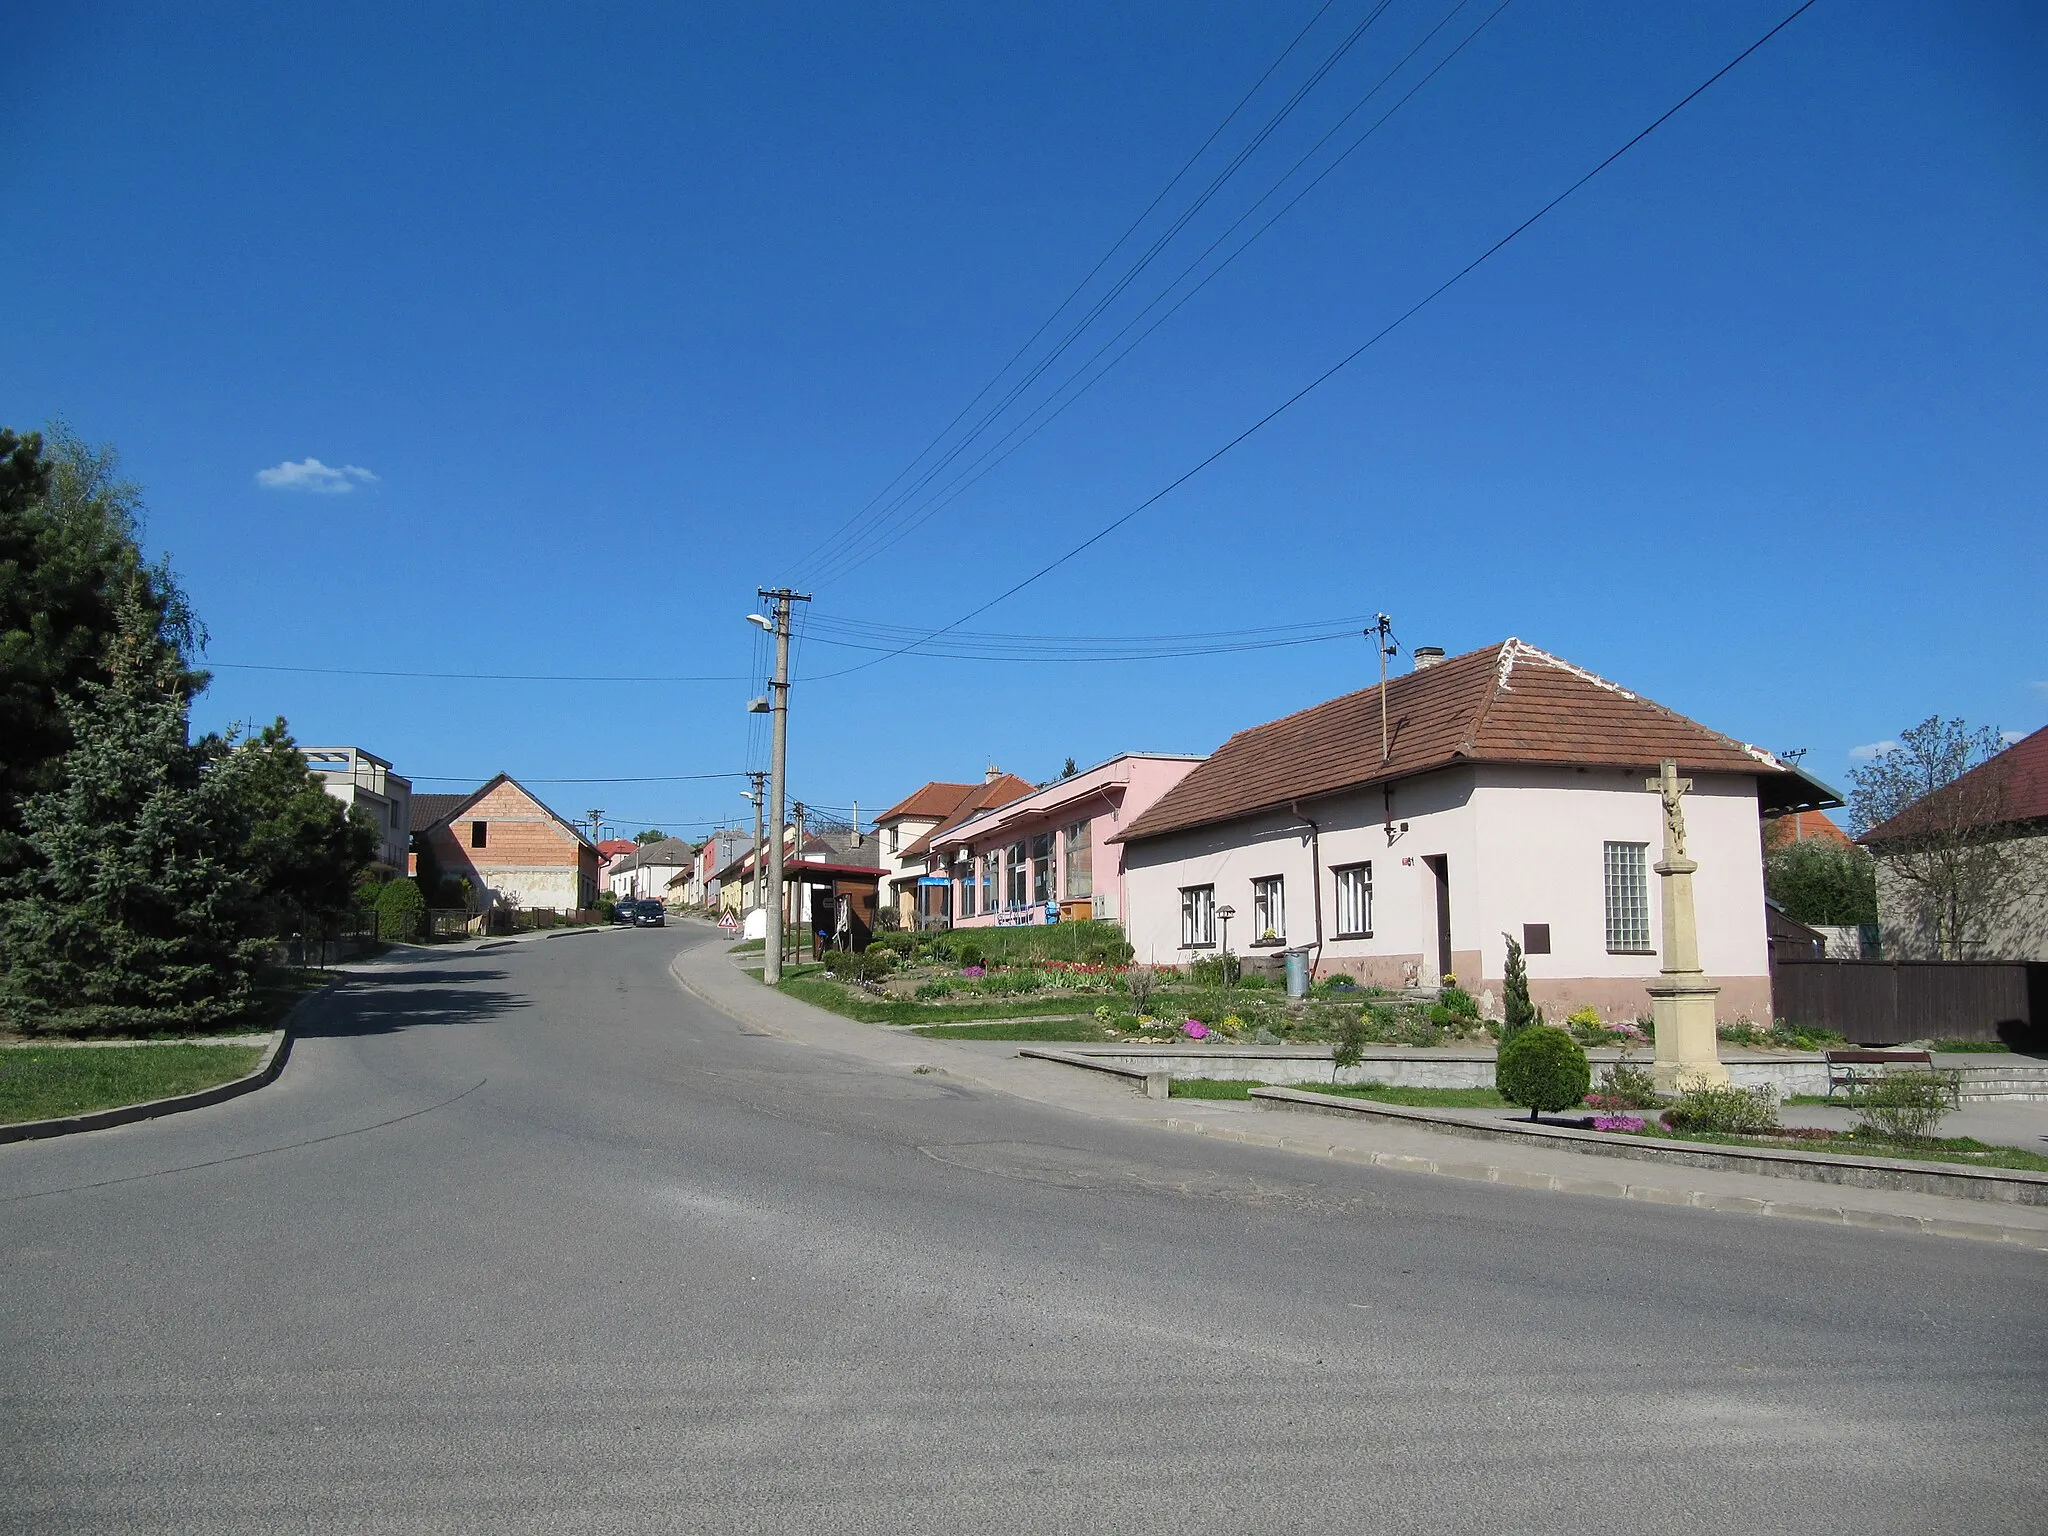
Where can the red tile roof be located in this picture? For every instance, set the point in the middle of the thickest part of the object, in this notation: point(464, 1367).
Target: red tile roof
point(938, 799)
point(1507, 703)
point(1803, 827)
point(997, 791)
point(2011, 787)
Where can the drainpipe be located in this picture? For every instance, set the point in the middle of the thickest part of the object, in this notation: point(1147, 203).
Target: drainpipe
point(1315, 866)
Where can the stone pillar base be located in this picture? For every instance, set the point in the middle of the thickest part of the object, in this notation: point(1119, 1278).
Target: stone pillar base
point(1688, 1050)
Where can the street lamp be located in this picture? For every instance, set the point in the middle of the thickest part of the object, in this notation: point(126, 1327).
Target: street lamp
point(1226, 913)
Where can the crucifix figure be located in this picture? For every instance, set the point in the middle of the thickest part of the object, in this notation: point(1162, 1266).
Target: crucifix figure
point(1681, 998)
point(1670, 787)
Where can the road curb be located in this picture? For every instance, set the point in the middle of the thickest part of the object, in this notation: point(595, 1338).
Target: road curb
point(266, 1072)
point(1951, 1181)
point(2031, 1238)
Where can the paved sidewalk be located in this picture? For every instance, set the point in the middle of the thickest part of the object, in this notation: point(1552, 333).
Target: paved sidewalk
point(706, 969)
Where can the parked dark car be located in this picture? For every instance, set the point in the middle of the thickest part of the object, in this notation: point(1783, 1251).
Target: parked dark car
point(641, 914)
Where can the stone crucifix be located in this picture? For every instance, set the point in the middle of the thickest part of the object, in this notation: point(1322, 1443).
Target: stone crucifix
point(1681, 998)
point(1669, 787)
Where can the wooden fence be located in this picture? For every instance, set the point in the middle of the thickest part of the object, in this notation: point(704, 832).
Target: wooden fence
point(1882, 1002)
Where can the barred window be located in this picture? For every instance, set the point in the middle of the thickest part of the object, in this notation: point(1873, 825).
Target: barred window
point(1198, 917)
point(1354, 901)
point(1628, 899)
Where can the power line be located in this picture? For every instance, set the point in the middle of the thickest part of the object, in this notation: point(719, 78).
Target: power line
point(1343, 362)
point(475, 677)
point(831, 557)
point(1052, 407)
point(652, 778)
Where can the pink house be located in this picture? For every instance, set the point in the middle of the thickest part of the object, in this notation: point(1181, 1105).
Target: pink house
point(1047, 855)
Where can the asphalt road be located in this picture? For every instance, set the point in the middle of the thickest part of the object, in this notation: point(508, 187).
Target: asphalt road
point(528, 1240)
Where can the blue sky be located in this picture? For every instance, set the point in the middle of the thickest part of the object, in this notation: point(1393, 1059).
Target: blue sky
point(599, 320)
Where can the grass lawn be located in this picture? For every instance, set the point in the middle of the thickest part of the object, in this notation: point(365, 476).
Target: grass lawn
point(1414, 1098)
point(42, 1082)
point(1042, 1031)
point(809, 985)
point(1213, 1087)
point(1951, 1149)
point(748, 947)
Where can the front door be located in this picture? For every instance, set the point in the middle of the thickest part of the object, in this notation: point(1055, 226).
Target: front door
point(1440, 880)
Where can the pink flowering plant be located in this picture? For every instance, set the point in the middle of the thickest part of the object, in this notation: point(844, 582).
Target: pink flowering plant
point(1195, 1029)
point(1617, 1122)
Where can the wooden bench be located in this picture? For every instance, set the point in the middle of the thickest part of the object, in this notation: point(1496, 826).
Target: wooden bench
point(1848, 1068)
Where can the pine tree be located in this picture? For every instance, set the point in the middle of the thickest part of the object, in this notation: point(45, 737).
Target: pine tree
point(131, 914)
point(1517, 1012)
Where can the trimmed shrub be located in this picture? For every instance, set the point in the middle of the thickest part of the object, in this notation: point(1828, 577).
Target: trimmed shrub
point(967, 953)
point(896, 942)
point(1905, 1105)
point(1543, 1070)
point(1724, 1110)
point(401, 912)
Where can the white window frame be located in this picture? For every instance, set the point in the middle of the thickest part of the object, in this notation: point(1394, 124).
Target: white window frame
point(1354, 899)
point(1625, 891)
point(1198, 917)
point(1269, 909)
point(1079, 860)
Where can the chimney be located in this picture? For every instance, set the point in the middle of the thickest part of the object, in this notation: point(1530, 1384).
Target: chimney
point(1427, 656)
point(990, 774)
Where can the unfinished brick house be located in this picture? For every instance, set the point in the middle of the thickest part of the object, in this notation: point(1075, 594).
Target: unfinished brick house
point(512, 849)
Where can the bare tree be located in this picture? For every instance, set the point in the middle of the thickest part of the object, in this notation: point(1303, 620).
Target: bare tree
point(1952, 867)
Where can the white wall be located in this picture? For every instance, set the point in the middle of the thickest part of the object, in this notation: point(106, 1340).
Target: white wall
point(1523, 845)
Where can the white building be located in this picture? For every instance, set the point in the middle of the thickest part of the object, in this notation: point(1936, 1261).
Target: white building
point(646, 872)
point(1511, 800)
point(358, 779)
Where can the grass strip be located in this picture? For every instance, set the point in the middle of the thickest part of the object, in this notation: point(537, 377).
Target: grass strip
point(811, 987)
point(1965, 1150)
point(1413, 1098)
point(1043, 1031)
point(44, 1082)
point(1213, 1087)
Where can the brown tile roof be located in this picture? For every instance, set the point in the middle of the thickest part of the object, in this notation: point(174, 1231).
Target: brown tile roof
point(998, 791)
point(2011, 787)
point(1803, 827)
point(1507, 703)
point(430, 809)
point(937, 798)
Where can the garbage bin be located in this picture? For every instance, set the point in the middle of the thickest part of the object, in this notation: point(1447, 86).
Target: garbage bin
point(1297, 972)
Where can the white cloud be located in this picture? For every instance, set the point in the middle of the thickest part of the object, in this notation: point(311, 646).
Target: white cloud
point(2009, 737)
point(312, 475)
point(1873, 749)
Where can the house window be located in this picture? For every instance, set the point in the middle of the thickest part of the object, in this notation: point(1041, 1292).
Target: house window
point(967, 892)
point(1042, 886)
point(478, 838)
point(989, 880)
point(892, 839)
point(1354, 901)
point(1198, 917)
point(1080, 861)
point(1628, 899)
point(1019, 874)
point(1269, 910)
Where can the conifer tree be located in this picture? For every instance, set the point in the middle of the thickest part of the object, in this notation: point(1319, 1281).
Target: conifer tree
point(131, 913)
point(1517, 1012)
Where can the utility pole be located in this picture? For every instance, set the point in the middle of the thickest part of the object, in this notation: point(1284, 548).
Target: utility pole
point(754, 794)
point(778, 771)
point(597, 826)
point(1383, 633)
